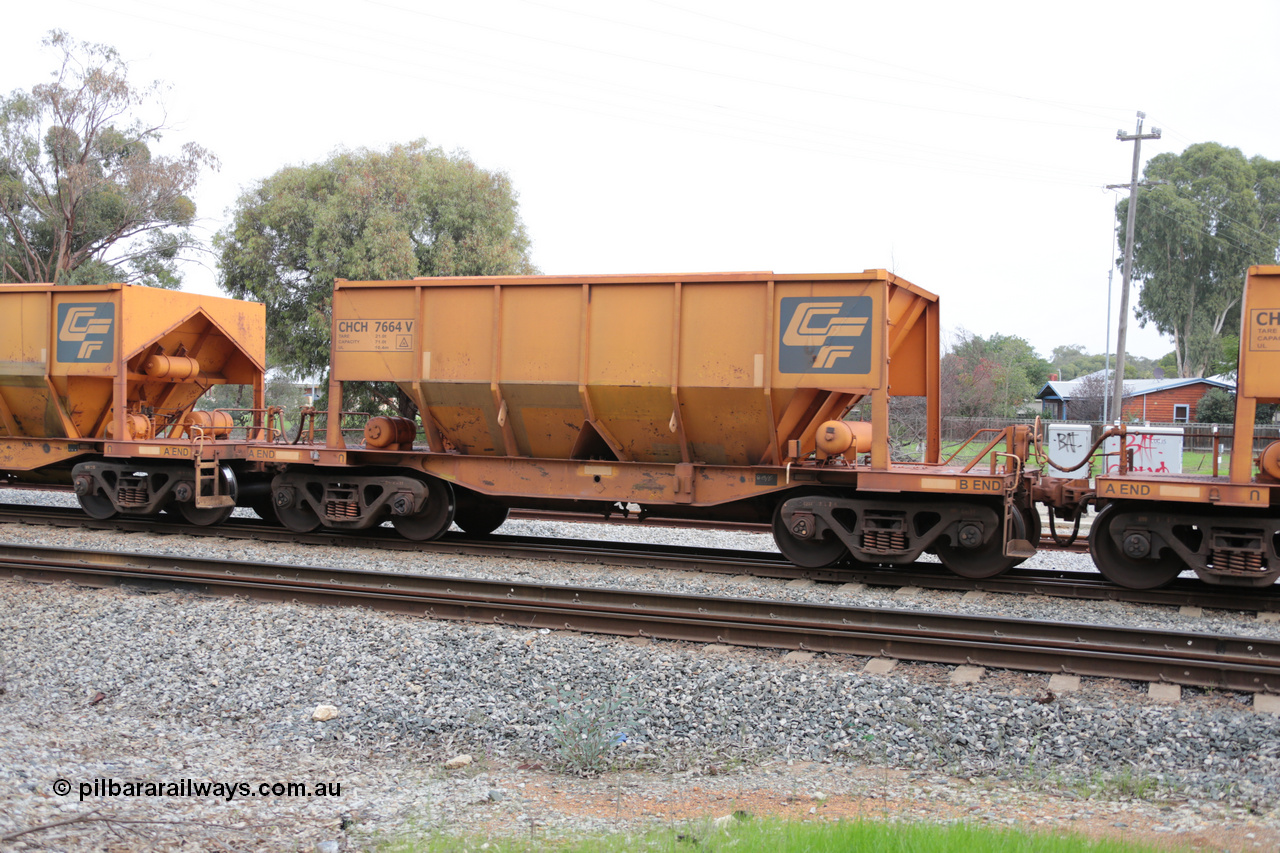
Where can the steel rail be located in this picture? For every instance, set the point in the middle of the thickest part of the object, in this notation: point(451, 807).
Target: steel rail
point(1079, 585)
point(1204, 660)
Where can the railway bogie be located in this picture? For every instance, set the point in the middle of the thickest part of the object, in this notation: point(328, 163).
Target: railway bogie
point(305, 498)
point(1141, 545)
point(816, 528)
point(135, 488)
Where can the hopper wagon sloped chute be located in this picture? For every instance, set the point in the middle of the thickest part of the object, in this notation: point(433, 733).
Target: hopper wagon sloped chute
point(92, 374)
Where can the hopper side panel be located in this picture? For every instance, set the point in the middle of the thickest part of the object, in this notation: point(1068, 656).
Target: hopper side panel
point(540, 328)
point(375, 334)
point(631, 336)
point(722, 335)
point(724, 357)
point(24, 361)
point(545, 418)
point(1260, 339)
point(629, 367)
point(726, 426)
point(463, 412)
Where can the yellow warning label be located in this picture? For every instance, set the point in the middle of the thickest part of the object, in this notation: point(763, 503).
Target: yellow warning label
point(153, 450)
point(271, 453)
point(375, 335)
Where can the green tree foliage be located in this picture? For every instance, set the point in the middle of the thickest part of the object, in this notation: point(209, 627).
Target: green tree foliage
point(1226, 358)
point(1214, 215)
point(83, 198)
point(363, 215)
point(1216, 407)
point(1073, 361)
point(990, 377)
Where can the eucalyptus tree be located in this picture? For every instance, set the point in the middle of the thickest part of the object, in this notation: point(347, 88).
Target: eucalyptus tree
point(1210, 214)
point(84, 196)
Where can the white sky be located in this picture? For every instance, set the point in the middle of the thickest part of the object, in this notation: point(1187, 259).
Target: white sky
point(965, 146)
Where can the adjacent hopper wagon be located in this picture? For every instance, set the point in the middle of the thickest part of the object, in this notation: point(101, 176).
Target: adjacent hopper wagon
point(99, 387)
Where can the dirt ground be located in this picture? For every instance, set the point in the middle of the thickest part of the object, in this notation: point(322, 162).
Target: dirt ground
point(540, 802)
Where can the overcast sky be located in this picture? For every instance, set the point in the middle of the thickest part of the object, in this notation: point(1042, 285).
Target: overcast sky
point(965, 146)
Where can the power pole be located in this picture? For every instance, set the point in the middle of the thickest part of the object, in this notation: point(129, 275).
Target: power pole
point(1107, 369)
point(1117, 393)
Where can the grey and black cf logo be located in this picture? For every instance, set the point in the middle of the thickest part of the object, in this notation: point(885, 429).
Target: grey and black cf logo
point(86, 332)
point(825, 334)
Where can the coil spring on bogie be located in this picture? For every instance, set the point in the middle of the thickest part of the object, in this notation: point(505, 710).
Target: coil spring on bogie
point(132, 495)
point(884, 541)
point(341, 509)
point(1236, 562)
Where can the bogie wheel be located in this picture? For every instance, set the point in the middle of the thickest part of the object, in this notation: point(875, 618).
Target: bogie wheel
point(97, 505)
point(806, 553)
point(1123, 570)
point(434, 518)
point(208, 516)
point(987, 560)
point(205, 516)
point(479, 518)
point(298, 516)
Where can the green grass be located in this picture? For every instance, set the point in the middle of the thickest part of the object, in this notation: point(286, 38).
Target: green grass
point(775, 836)
point(1195, 462)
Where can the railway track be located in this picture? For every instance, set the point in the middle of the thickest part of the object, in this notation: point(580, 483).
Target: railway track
point(1191, 659)
point(1081, 585)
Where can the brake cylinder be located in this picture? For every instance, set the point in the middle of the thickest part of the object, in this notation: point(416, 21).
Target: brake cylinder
point(384, 431)
point(136, 426)
point(177, 367)
point(1269, 461)
point(836, 438)
point(215, 424)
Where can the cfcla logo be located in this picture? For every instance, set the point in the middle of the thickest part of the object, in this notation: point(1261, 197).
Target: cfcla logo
point(825, 335)
point(85, 332)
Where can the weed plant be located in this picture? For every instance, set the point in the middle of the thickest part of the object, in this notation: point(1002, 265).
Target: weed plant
point(587, 726)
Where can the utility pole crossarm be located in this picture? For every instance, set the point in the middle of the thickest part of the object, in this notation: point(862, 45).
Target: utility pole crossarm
point(1117, 392)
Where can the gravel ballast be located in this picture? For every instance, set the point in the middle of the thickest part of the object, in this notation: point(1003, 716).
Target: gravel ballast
point(116, 684)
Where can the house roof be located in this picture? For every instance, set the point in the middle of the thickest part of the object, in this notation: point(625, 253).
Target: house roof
point(1067, 389)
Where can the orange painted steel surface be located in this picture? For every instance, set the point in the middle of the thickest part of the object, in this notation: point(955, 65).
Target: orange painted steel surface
point(72, 363)
point(1258, 381)
point(1258, 378)
point(713, 369)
